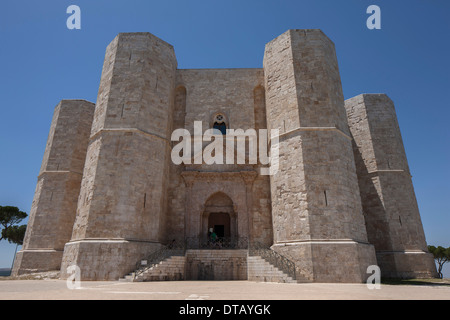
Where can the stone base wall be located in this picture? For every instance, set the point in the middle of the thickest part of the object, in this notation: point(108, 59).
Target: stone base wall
point(329, 261)
point(104, 259)
point(39, 260)
point(216, 265)
point(406, 265)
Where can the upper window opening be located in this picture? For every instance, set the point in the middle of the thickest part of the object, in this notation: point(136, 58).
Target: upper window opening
point(221, 127)
point(219, 124)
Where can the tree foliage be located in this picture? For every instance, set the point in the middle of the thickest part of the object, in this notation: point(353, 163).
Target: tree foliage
point(441, 256)
point(9, 218)
point(15, 234)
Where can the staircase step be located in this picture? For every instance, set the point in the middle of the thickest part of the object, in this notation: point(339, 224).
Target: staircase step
point(261, 270)
point(173, 267)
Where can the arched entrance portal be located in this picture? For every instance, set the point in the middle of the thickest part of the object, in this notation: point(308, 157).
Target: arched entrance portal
point(219, 216)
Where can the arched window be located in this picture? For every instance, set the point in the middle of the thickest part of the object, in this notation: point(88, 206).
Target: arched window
point(219, 124)
point(222, 127)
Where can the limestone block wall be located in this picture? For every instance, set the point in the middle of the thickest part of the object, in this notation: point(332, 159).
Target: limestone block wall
point(200, 94)
point(261, 228)
point(392, 216)
point(54, 205)
point(316, 208)
point(176, 205)
point(216, 265)
point(123, 200)
point(229, 91)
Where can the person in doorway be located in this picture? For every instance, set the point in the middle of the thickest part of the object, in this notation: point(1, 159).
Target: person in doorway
point(213, 237)
point(210, 231)
point(214, 242)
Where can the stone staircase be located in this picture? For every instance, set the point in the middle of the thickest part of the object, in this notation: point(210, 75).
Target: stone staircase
point(258, 269)
point(211, 265)
point(216, 265)
point(170, 269)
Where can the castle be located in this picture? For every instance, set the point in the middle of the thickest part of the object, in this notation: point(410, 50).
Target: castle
point(108, 193)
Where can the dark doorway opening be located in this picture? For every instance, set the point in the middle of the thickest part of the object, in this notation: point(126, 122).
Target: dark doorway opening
point(220, 223)
point(219, 230)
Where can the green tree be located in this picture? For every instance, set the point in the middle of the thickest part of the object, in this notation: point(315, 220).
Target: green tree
point(9, 218)
point(441, 256)
point(15, 234)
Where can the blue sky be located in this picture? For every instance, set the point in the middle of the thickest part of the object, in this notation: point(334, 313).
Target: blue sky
point(42, 62)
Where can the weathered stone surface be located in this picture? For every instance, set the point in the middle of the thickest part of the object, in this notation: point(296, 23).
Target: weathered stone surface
point(124, 187)
point(216, 265)
point(315, 195)
point(55, 201)
point(392, 216)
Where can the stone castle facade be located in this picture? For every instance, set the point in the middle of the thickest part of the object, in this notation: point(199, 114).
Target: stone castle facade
point(108, 193)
